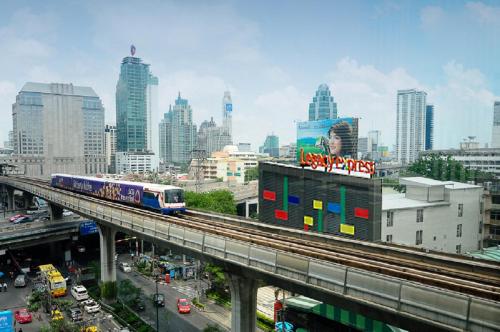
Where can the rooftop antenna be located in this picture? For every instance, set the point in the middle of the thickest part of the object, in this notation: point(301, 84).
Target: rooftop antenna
point(132, 50)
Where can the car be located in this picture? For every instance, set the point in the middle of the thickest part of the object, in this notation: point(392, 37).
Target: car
point(80, 248)
point(79, 292)
point(76, 314)
point(21, 280)
point(23, 219)
point(67, 213)
point(138, 304)
point(91, 306)
point(17, 216)
point(159, 300)
point(125, 267)
point(56, 315)
point(183, 306)
point(22, 316)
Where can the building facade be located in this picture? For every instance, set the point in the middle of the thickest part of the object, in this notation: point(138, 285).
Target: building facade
point(110, 147)
point(227, 115)
point(495, 134)
point(212, 138)
point(165, 135)
point(323, 105)
point(437, 215)
point(429, 127)
point(135, 162)
point(271, 146)
point(61, 126)
point(152, 113)
point(410, 125)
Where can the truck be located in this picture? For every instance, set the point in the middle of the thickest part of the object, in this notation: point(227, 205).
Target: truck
point(53, 279)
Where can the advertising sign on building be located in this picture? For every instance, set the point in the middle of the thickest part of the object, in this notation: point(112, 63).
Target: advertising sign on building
point(229, 108)
point(328, 137)
point(6, 321)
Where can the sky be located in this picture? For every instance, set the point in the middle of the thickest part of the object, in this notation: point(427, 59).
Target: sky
point(271, 55)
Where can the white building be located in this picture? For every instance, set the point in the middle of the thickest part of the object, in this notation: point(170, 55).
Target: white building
point(152, 114)
point(135, 162)
point(495, 135)
point(410, 125)
point(110, 147)
point(437, 215)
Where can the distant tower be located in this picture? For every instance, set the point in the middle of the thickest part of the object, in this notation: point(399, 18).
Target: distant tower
point(227, 113)
point(429, 127)
point(323, 105)
point(495, 135)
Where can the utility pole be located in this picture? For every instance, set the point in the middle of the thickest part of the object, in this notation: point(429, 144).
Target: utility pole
point(200, 156)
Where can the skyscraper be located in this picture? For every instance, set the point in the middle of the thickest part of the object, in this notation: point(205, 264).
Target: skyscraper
point(212, 138)
point(271, 146)
point(152, 113)
point(227, 114)
point(429, 127)
point(410, 125)
point(177, 133)
point(133, 109)
point(62, 125)
point(495, 135)
point(323, 105)
point(110, 147)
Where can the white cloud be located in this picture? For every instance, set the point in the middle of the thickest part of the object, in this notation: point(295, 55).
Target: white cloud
point(484, 13)
point(431, 16)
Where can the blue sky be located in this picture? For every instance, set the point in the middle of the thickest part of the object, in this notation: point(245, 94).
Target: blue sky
point(272, 55)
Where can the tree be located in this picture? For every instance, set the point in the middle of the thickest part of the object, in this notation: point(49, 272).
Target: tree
point(212, 328)
point(127, 292)
point(221, 201)
point(252, 174)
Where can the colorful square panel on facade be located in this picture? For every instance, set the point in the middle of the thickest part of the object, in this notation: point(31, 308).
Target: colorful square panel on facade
point(318, 205)
point(308, 220)
point(333, 207)
point(269, 195)
point(280, 214)
point(293, 200)
point(347, 229)
point(361, 213)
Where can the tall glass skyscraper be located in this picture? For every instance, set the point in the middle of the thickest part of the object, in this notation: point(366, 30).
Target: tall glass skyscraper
point(132, 105)
point(495, 134)
point(227, 113)
point(429, 127)
point(323, 106)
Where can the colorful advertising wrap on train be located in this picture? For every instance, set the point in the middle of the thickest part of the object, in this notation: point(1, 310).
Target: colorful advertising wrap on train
point(337, 165)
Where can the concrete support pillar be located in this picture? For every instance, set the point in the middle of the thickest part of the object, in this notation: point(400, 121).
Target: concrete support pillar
point(55, 211)
point(10, 199)
point(247, 209)
point(243, 303)
point(107, 240)
point(28, 199)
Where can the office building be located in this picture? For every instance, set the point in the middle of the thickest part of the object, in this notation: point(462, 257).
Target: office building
point(323, 105)
point(438, 215)
point(244, 147)
point(362, 147)
point(61, 127)
point(9, 144)
point(110, 147)
point(178, 135)
point(271, 146)
point(372, 145)
point(135, 91)
point(212, 138)
point(429, 127)
point(227, 115)
point(135, 162)
point(410, 126)
point(152, 114)
point(495, 135)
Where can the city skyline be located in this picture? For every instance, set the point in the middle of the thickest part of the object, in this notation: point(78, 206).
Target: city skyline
point(270, 66)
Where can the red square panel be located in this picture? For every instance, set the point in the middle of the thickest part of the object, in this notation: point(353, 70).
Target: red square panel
point(361, 213)
point(280, 214)
point(269, 195)
point(306, 227)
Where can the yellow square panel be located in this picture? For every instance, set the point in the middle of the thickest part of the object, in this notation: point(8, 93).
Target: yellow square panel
point(347, 229)
point(318, 205)
point(308, 220)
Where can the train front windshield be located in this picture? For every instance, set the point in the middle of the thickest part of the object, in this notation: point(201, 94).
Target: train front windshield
point(174, 196)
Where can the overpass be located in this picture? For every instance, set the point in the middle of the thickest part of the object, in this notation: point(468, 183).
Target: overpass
point(401, 286)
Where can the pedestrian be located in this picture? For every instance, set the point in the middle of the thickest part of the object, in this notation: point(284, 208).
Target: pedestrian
point(20, 329)
point(4, 286)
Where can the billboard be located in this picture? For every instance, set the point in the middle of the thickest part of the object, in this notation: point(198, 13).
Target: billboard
point(88, 227)
point(337, 137)
point(6, 321)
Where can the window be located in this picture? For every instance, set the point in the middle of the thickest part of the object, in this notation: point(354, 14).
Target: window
point(420, 215)
point(460, 210)
point(418, 237)
point(388, 238)
point(390, 219)
point(459, 230)
point(458, 248)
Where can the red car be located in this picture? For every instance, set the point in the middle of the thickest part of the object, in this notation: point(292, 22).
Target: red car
point(14, 218)
point(22, 316)
point(183, 306)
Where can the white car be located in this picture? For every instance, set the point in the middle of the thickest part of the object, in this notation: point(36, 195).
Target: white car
point(79, 292)
point(91, 306)
point(125, 267)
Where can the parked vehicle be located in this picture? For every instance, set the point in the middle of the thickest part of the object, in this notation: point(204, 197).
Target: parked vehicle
point(125, 267)
point(57, 315)
point(91, 306)
point(21, 280)
point(79, 292)
point(22, 316)
point(17, 216)
point(23, 220)
point(183, 306)
point(76, 314)
point(159, 300)
point(54, 279)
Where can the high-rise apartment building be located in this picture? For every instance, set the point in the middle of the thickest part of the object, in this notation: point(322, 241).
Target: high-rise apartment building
point(152, 113)
point(323, 105)
point(429, 127)
point(495, 135)
point(227, 114)
point(177, 133)
point(212, 138)
point(410, 125)
point(110, 147)
point(271, 146)
point(62, 126)
point(134, 105)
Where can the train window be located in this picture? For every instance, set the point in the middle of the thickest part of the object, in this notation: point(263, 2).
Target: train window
point(149, 195)
point(174, 196)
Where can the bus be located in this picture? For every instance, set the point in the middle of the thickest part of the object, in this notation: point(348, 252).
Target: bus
point(54, 279)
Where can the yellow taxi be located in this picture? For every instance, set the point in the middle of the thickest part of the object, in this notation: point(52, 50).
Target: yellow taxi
point(91, 328)
point(57, 315)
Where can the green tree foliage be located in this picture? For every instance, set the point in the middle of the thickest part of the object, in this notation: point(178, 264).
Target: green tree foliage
point(217, 201)
point(109, 290)
point(127, 292)
point(213, 328)
point(445, 168)
point(251, 174)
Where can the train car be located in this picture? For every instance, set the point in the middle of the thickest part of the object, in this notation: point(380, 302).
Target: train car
point(162, 198)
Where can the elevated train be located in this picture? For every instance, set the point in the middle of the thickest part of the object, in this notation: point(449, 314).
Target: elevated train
point(165, 199)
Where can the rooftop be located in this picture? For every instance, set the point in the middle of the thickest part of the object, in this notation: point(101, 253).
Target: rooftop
point(399, 201)
point(426, 182)
point(59, 88)
point(491, 253)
